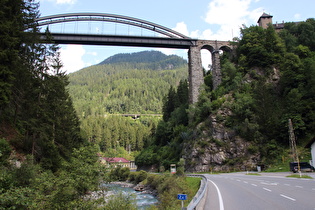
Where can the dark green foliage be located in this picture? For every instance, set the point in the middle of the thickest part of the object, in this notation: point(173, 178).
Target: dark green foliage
point(147, 156)
point(39, 109)
point(5, 151)
point(31, 187)
point(141, 175)
point(259, 47)
point(121, 201)
point(169, 132)
point(115, 132)
point(119, 173)
point(38, 121)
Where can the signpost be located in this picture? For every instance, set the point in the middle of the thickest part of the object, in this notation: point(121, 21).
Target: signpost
point(173, 168)
point(182, 197)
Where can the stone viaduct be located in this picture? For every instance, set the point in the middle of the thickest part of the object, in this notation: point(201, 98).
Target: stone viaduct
point(195, 66)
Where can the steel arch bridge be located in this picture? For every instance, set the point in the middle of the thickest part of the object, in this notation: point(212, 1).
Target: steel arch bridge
point(105, 17)
point(168, 39)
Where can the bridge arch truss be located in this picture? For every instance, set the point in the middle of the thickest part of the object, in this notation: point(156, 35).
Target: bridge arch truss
point(105, 17)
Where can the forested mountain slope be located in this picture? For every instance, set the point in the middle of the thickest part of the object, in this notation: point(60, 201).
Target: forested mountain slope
point(154, 60)
point(133, 83)
point(126, 83)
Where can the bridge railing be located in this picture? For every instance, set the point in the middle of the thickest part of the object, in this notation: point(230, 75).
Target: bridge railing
point(201, 192)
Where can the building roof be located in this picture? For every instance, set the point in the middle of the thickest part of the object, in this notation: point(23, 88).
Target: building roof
point(116, 160)
point(264, 15)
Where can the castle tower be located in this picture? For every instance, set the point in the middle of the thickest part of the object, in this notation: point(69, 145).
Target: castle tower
point(264, 20)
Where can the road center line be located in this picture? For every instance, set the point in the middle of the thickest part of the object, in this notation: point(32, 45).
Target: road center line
point(267, 189)
point(287, 197)
point(255, 185)
point(219, 195)
point(298, 186)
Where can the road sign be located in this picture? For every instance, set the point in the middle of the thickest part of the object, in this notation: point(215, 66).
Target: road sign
point(182, 197)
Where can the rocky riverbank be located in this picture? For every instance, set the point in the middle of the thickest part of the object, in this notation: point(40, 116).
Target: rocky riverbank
point(144, 189)
point(108, 191)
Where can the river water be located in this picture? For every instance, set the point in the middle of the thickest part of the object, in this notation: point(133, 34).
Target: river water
point(143, 200)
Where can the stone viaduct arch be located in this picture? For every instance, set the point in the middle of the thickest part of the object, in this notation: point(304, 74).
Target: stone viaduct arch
point(168, 39)
point(195, 65)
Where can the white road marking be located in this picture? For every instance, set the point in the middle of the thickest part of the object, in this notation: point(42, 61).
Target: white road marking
point(255, 185)
point(267, 189)
point(219, 195)
point(292, 199)
point(298, 186)
point(266, 183)
point(245, 182)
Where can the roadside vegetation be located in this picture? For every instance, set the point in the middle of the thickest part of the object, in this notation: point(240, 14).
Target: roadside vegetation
point(166, 185)
point(300, 176)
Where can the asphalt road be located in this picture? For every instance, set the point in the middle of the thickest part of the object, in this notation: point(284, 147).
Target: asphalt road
point(239, 191)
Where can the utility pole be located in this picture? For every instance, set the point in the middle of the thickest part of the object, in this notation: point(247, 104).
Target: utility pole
point(294, 152)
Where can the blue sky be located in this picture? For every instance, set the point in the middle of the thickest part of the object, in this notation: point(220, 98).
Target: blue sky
point(203, 19)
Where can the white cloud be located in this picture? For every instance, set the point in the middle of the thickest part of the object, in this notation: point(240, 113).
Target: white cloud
point(66, 1)
point(297, 16)
point(181, 28)
point(226, 17)
point(230, 15)
point(71, 57)
point(62, 1)
point(92, 53)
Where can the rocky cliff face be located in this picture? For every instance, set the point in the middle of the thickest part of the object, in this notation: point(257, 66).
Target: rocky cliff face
point(218, 148)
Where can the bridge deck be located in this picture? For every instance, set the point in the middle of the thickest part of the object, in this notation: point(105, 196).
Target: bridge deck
point(120, 40)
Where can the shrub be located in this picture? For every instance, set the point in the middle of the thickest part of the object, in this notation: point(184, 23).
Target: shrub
point(132, 176)
point(5, 151)
point(141, 175)
point(121, 202)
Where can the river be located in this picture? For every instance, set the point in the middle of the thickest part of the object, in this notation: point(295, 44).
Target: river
point(143, 200)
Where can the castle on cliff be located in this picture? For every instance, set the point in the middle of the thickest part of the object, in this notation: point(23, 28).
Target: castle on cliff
point(266, 19)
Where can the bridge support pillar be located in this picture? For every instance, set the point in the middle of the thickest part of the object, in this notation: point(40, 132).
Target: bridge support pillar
point(216, 69)
point(195, 73)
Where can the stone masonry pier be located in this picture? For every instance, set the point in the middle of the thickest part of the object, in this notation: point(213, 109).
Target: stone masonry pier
point(195, 65)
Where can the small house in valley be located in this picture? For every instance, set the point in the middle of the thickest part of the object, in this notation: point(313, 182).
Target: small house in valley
point(118, 161)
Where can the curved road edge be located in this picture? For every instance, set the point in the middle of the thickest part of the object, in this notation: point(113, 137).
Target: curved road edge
point(199, 199)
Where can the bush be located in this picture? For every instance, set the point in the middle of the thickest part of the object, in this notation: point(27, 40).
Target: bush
point(141, 175)
point(121, 202)
point(5, 151)
point(124, 174)
point(132, 176)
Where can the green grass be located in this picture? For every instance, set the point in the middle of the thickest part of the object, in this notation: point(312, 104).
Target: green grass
point(298, 176)
point(193, 183)
point(254, 174)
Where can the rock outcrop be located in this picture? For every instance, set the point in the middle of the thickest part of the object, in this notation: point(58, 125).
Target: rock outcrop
point(218, 148)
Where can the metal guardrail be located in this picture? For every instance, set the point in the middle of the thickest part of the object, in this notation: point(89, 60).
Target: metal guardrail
point(201, 192)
